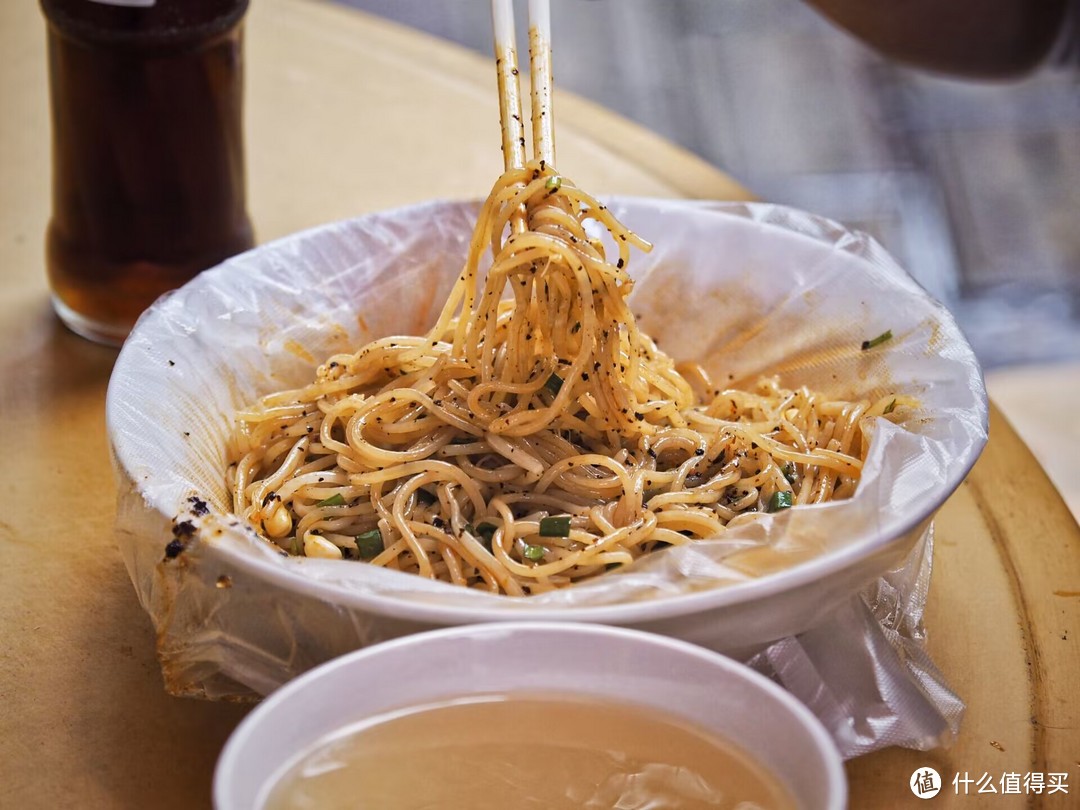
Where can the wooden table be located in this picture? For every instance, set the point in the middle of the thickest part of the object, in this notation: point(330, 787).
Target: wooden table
point(348, 114)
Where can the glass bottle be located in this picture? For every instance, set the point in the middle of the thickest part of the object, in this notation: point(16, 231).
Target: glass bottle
point(148, 153)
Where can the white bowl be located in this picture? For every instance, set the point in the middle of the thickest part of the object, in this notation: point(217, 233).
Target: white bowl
point(710, 691)
point(744, 289)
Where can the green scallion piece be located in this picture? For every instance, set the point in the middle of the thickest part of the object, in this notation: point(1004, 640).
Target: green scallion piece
point(534, 553)
point(558, 526)
point(337, 499)
point(789, 472)
point(869, 344)
point(485, 531)
point(890, 407)
point(554, 384)
point(369, 544)
point(554, 183)
point(781, 499)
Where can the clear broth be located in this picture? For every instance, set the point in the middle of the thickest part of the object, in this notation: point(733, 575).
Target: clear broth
point(496, 752)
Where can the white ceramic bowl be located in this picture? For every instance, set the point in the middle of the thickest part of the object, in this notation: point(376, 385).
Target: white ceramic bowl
point(704, 688)
point(744, 289)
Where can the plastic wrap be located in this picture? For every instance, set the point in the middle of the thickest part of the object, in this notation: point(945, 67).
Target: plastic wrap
point(744, 289)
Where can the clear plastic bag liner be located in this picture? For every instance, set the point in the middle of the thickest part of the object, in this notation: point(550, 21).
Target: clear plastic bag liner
point(864, 671)
point(745, 289)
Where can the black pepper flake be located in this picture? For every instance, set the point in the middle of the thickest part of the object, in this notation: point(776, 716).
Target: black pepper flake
point(585, 376)
point(184, 530)
point(620, 263)
point(699, 452)
point(171, 363)
point(514, 71)
point(173, 549)
point(198, 506)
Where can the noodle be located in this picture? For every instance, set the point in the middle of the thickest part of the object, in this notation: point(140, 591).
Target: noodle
point(533, 439)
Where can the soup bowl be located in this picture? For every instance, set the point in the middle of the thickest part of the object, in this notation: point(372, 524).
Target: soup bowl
point(683, 682)
point(745, 290)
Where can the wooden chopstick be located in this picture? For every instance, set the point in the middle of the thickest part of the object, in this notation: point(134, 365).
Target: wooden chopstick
point(513, 130)
point(543, 124)
point(506, 66)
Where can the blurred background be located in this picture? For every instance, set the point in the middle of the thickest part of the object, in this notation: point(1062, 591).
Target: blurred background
point(971, 184)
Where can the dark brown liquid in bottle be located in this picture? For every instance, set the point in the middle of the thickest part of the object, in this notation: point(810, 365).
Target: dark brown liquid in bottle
point(148, 163)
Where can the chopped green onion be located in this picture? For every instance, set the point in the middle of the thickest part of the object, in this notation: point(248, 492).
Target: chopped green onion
point(369, 544)
point(555, 526)
point(869, 344)
point(781, 499)
point(337, 499)
point(296, 547)
point(485, 531)
point(553, 183)
point(890, 407)
point(789, 472)
point(554, 384)
point(534, 553)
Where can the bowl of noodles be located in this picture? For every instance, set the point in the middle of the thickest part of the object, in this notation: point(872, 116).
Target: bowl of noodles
point(457, 413)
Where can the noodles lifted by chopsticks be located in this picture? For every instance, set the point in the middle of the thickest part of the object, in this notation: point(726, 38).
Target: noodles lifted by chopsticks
point(536, 437)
